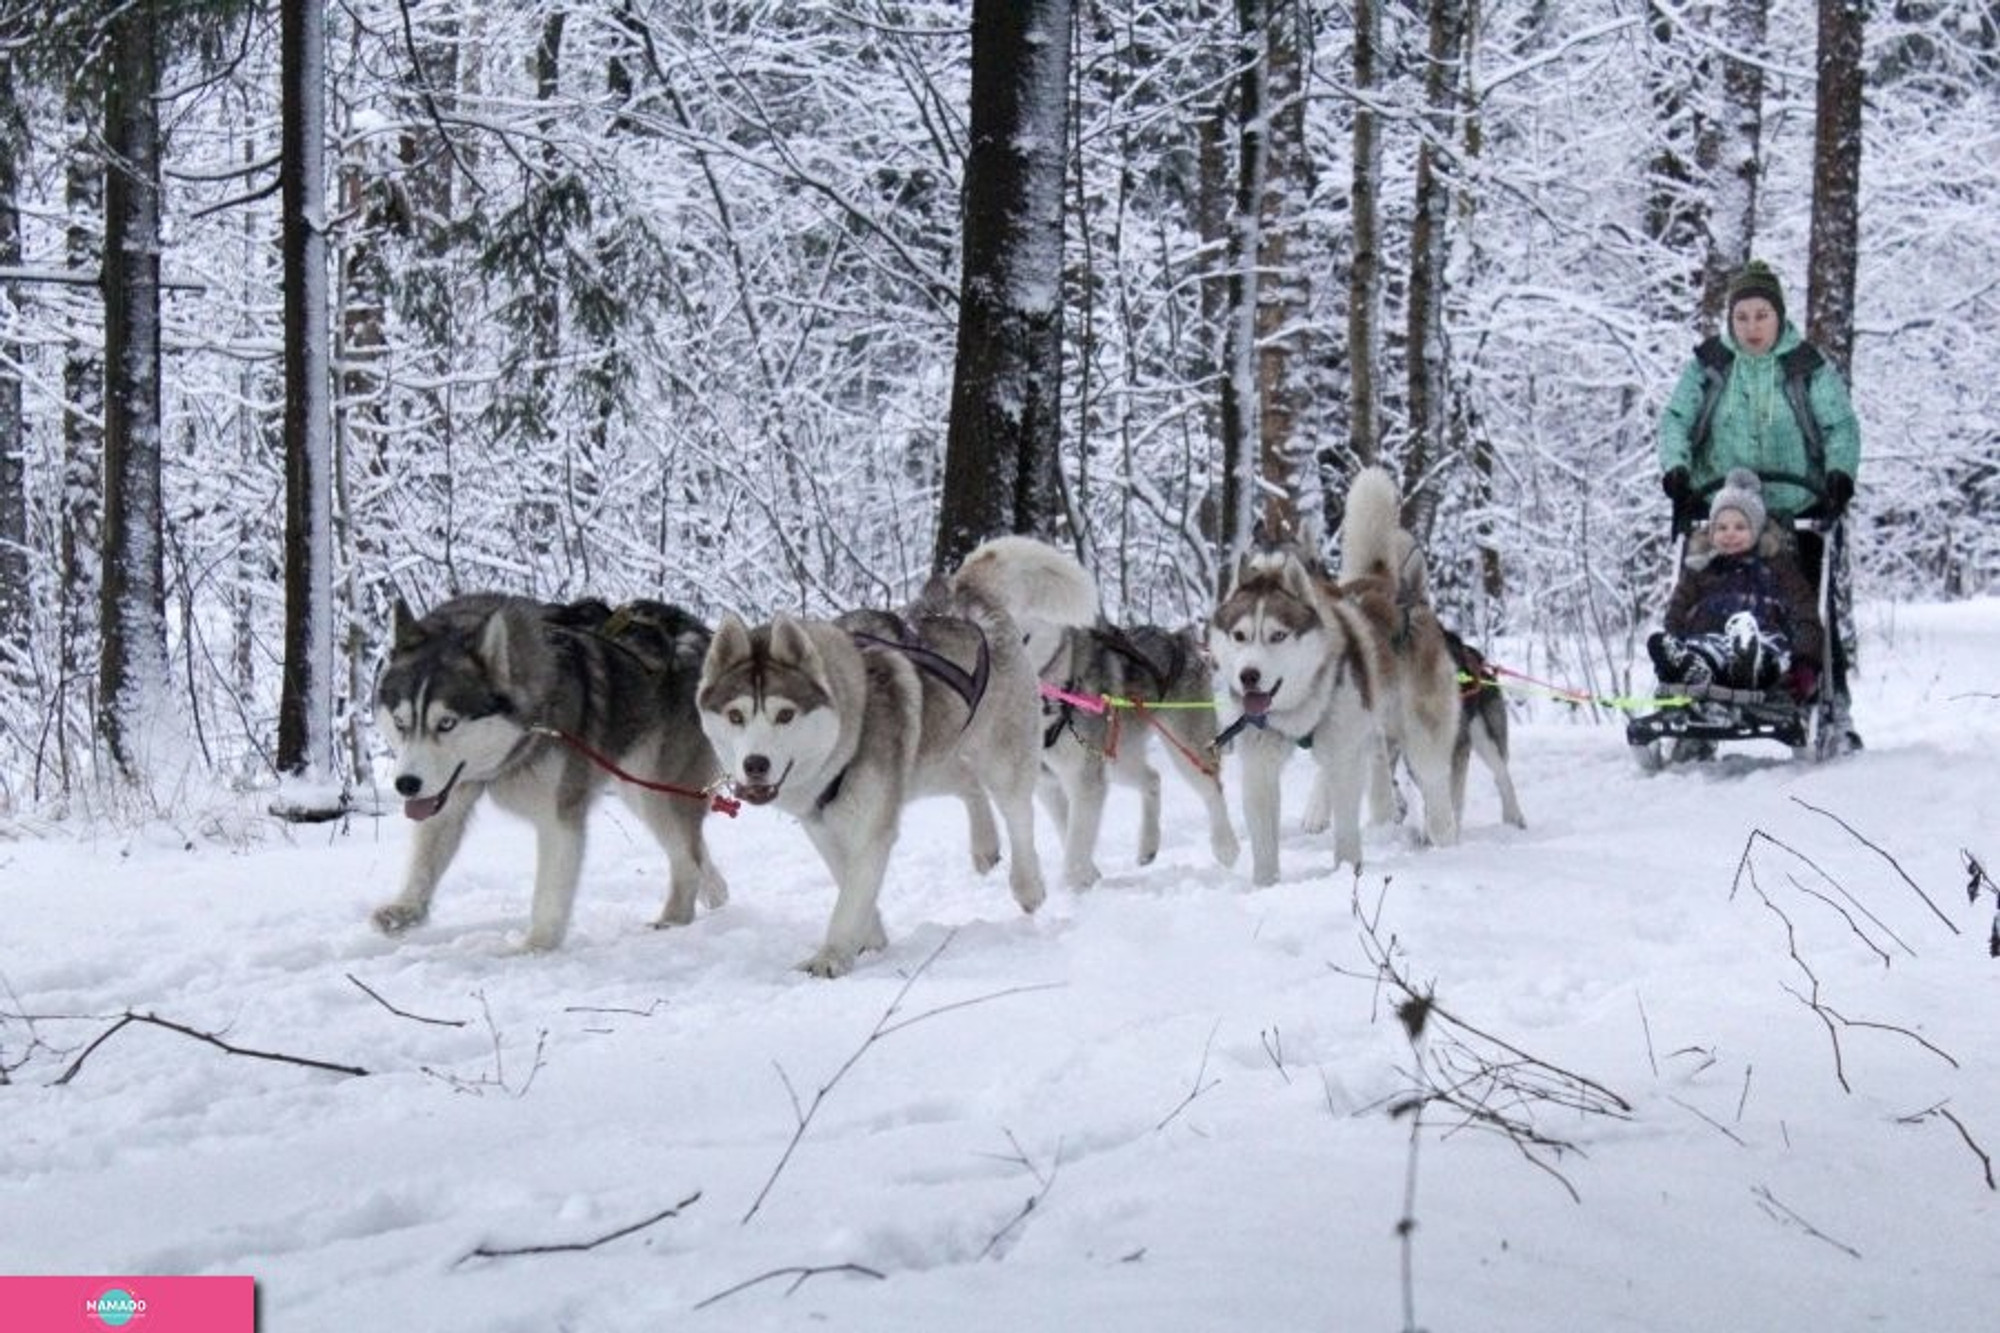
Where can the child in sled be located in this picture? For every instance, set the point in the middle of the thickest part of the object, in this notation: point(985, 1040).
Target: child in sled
point(1741, 616)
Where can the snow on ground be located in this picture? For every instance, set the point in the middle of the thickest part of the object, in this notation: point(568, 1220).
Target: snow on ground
point(1163, 1104)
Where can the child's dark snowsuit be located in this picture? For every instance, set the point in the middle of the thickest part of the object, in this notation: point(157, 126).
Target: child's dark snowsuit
point(1739, 620)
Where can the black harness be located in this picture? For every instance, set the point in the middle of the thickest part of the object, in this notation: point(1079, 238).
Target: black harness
point(967, 685)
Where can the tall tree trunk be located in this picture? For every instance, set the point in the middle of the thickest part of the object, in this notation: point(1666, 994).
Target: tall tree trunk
point(1364, 286)
point(1836, 201)
point(1429, 235)
point(1287, 460)
point(305, 702)
point(1470, 438)
point(80, 540)
point(132, 664)
point(14, 590)
point(1239, 393)
point(1001, 448)
point(1735, 152)
point(1676, 214)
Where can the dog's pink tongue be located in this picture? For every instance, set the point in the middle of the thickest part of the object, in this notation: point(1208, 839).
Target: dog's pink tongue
point(424, 807)
point(1256, 702)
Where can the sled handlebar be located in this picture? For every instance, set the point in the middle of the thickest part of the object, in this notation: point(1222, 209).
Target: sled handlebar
point(1695, 509)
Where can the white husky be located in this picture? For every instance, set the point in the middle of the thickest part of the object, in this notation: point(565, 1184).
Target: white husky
point(842, 722)
point(1360, 667)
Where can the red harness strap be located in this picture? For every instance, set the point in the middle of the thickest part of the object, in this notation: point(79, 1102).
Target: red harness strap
point(721, 804)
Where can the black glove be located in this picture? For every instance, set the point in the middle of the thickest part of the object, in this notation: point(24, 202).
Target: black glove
point(1675, 484)
point(1839, 490)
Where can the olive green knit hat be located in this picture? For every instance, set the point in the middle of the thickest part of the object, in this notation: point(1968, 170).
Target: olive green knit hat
point(1757, 279)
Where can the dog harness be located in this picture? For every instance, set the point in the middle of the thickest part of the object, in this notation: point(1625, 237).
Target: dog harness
point(967, 685)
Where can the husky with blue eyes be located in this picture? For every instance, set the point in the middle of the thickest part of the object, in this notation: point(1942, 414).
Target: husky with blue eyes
point(1358, 669)
point(528, 703)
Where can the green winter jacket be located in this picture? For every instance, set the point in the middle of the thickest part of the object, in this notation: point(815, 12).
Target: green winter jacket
point(1754, 426)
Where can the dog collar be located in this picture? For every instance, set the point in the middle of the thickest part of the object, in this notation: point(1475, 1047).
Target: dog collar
point(1229, 733)
point(832, 791)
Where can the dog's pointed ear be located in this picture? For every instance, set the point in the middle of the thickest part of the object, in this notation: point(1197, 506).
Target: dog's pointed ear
point(503, 640)
point(791, 643)
point(406, 632)
point(1298, 581)
point(1240, 573)
point(729, 643)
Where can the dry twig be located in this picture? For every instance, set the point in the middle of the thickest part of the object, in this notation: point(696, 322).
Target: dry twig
point(883, 1028)
point(1941, 1112)
point(153, 1020)
point(498, 1077)
point(578, 1247)
point(1895, 865)
point(1044, 1183)
point(1768, 1202)
point(1198, 1087)
point(404, 1013)
point(799, 1277)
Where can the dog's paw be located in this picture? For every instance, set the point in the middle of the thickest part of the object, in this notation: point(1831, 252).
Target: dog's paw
point(395, 918)
point(829, 962)
point(1225, 847)
point(1082, 876)
point(983, 861)
point(714, 888)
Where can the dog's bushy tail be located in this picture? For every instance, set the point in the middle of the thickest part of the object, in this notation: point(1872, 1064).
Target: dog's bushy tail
point(1372, 540)
point(1031, 581)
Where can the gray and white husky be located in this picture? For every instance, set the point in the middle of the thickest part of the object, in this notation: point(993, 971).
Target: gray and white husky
point(496, 695)
point(1088, 742)
point(1361, 667)
point(842, 722)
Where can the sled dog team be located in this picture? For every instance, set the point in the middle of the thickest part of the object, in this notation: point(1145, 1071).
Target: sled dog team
point(990, 686)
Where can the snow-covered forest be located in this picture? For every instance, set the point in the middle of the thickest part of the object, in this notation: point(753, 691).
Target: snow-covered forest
point(629, 298)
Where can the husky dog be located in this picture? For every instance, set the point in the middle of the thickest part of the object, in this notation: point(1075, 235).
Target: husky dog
point(1084, 746)
point(1360, 667)
point(842, 722)
point(1482, 729)
point(496, 694)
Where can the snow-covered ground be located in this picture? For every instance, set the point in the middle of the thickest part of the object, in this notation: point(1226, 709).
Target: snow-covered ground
point(1748, 1011)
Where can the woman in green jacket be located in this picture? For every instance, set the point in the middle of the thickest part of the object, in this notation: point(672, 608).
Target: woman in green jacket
point(1760, 397)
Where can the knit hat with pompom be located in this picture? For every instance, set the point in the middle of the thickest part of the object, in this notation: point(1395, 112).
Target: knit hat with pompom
point(1743, 492)
point(1757, 279)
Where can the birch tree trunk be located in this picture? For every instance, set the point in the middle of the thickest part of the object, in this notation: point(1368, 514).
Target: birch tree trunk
point(14, 590)
point(132, 661)
point(305, 703)
point(1836, 201)
point(1292, 498)
point(1001, 457)
point(1239, 396)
